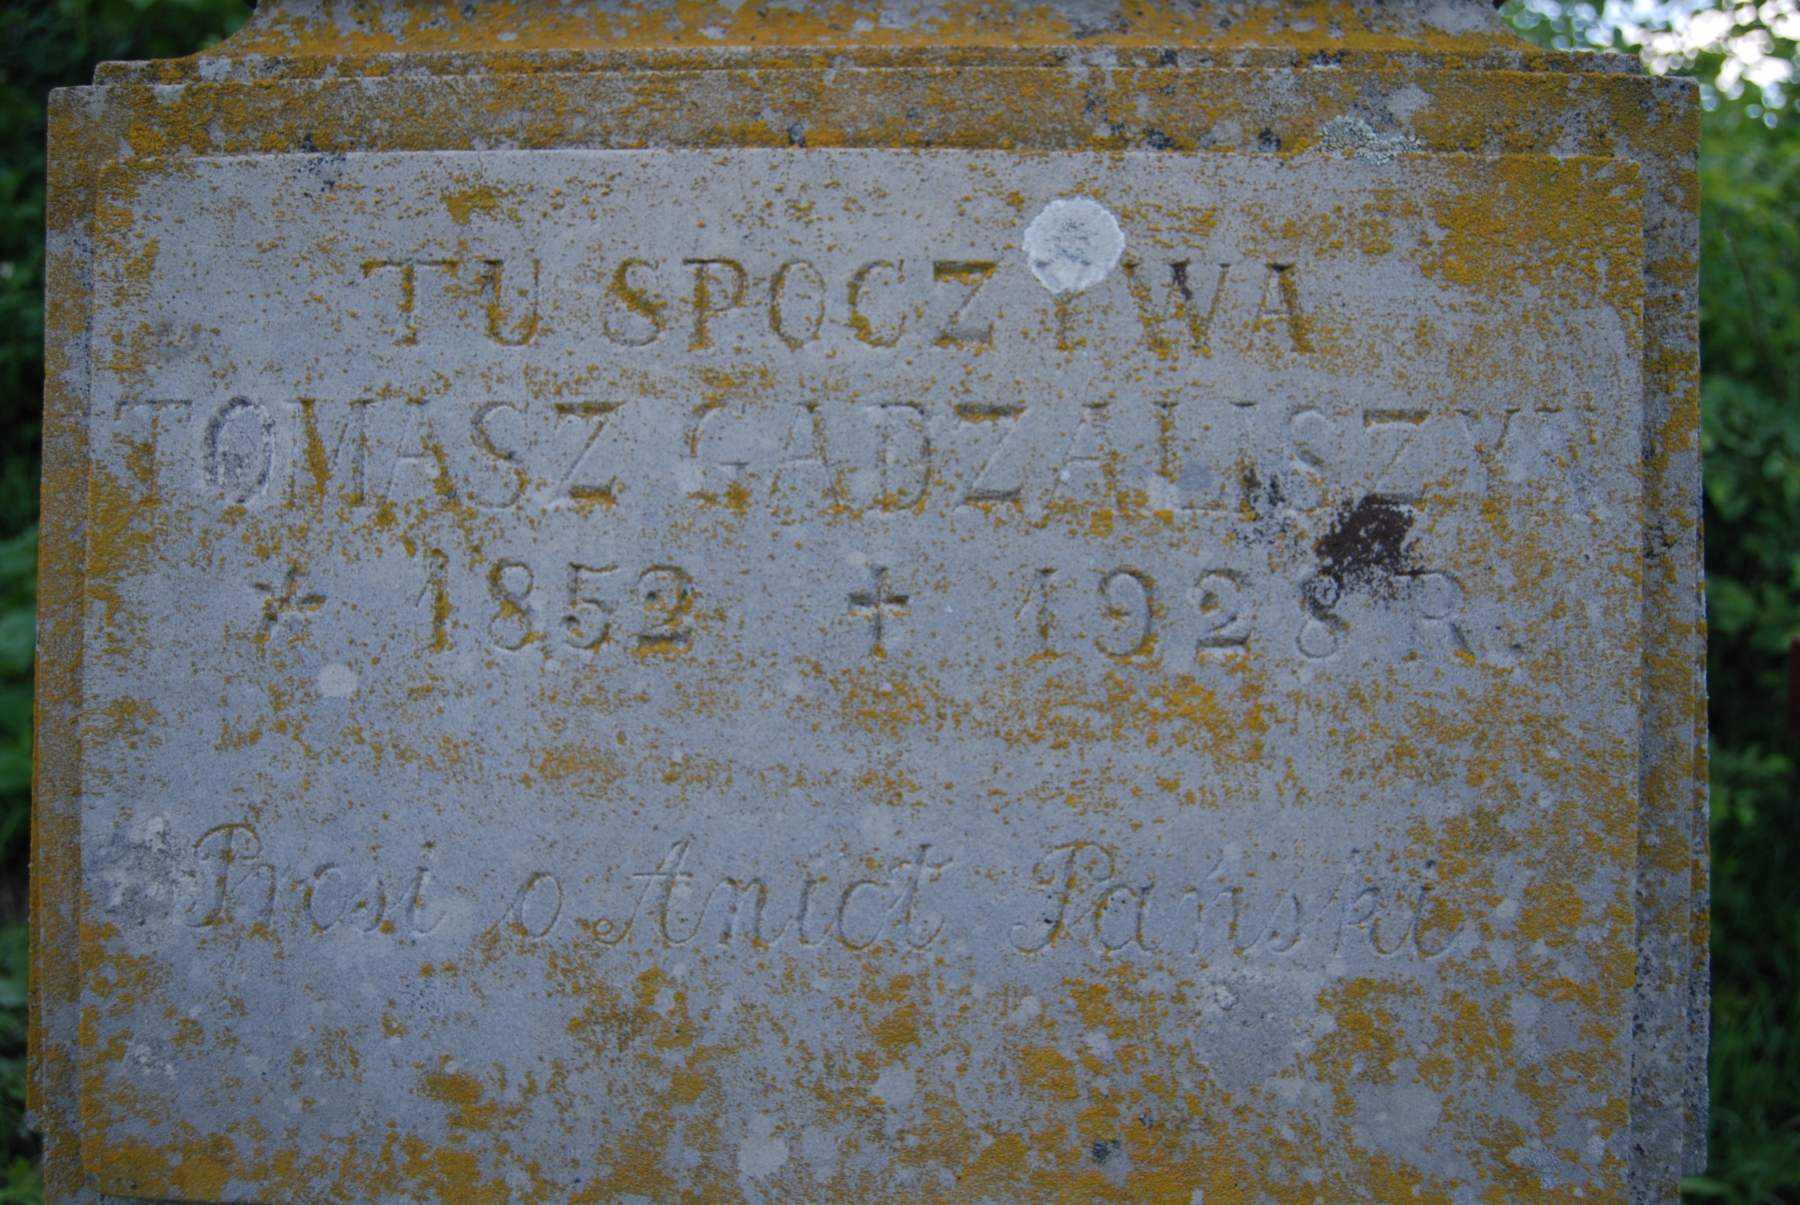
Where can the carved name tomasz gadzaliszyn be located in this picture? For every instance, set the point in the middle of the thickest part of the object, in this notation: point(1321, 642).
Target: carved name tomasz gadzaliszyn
point(638, 620)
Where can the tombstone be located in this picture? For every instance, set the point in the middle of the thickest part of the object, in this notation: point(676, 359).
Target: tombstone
point(723, 603)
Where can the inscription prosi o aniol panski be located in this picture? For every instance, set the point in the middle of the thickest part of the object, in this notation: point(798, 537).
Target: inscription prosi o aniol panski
point(844, 610)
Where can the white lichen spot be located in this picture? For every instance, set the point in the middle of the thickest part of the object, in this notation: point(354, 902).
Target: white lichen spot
point(1537, 1157)
point(894, 1086)
point(819, 1148)
point(761, 1153)
point(1355, 137)
point(1072, 245)
point(1028, 1008)
point(337, 681)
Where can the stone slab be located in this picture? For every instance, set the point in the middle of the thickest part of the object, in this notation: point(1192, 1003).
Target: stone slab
point(622, 674)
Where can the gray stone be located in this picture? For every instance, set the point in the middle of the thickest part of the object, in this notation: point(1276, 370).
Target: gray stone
point(617, 674)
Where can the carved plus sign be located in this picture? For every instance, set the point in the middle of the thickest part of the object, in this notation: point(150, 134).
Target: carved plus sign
point(286, 601)
point(877, 605)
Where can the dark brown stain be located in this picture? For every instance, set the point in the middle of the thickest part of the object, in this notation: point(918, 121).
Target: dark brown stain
point(1366, 546)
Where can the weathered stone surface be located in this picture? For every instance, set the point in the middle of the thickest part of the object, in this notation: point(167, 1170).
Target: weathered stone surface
point(1035, 667)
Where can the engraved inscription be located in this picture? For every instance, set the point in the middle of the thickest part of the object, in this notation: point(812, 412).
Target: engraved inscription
point(287, 598)
point(874, 317)
point(878, 605)
point(797, 303)
point(510, 583)
point(1125, 600)
point(966, 325)
point(1220, 598)
point(666, 600)
point(637, 318)
point(1084, 893)
point(443, 295)
point(232, 882)
point(539, 905)
point(720, 285)
point(599, 607)
point(1195, 454)
point(1087, 896)
point(615, 605)
point(240, 450)
point(587, 623)
point(1179, 307)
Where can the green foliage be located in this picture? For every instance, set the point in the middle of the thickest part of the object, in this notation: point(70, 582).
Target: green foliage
point(1556, 26)
point(1738, 51)
point(18, 635)
point(43, 45)
point(19, 1179)
point(1750, 347)
point(1750, 434)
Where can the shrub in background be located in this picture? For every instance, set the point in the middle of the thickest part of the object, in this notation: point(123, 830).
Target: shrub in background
point(44, 44)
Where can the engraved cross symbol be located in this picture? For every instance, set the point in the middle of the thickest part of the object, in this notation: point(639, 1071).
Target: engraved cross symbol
point(286, 601)
point(877, 605)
